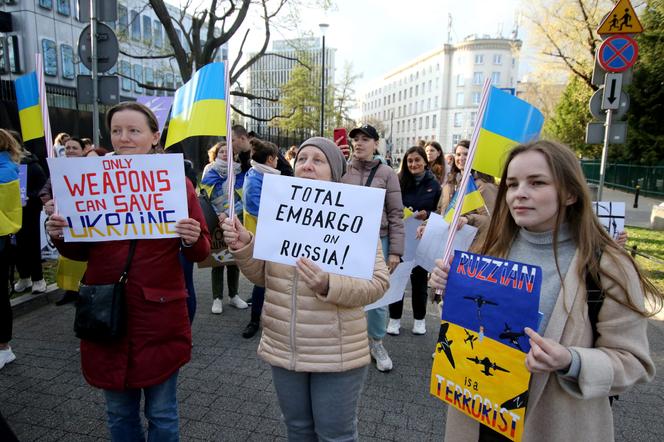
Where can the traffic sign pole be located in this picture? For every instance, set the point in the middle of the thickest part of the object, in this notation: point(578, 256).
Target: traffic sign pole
point(95, 86)
point(605, 153)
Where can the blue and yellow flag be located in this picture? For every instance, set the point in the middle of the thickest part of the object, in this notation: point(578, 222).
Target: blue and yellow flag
point(10, 196)
point(29, 110)
point(199, 107)
point(507, 121)
point(473, 200)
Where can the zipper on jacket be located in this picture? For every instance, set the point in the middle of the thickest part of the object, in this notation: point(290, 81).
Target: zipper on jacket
point(293, 318)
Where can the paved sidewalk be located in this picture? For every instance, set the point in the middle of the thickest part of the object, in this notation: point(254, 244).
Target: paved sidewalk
point(225, 392)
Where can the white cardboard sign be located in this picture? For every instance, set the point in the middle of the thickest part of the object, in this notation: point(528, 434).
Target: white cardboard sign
point(119, 197)
point(335, 225)
point(432, 244)
point(611, 215)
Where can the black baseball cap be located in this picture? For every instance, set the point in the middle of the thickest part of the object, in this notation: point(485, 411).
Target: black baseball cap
point(367, 130)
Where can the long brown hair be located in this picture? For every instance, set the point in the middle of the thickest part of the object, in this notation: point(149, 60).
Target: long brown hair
point(9, 144)
point(406, 179)
point(588, 234)
point(438, 165)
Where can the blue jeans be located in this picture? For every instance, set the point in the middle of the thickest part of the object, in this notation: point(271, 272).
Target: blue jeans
point(377, 318)
point(188, 270)
point(319, 406)
point(161, 411)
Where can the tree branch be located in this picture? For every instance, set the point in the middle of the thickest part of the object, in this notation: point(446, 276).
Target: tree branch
point(258, 118)
point(146, 57)
point(253, 96)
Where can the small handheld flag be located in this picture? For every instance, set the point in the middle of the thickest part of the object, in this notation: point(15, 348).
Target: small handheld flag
point(473, 200)
point(29, 110)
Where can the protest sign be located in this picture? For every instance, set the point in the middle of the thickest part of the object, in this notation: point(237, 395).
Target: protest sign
point(219, 253)
point(432, 244)
point(23, 183)
point(410, 241)
point(611, 215)
point(119, 197)
point(398, 281)
point(335, 225)
point(479, 364)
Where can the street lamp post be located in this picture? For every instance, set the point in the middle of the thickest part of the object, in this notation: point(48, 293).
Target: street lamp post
point(323, 27)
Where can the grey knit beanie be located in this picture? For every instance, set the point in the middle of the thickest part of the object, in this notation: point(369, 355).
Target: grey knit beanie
point(332, 153)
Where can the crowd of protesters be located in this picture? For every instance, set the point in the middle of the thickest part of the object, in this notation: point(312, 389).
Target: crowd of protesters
point(538, 212)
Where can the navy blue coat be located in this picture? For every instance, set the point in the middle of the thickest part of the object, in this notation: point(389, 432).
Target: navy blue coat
point(422, 196)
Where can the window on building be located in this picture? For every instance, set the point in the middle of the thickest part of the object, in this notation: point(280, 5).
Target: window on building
point(50, 53)
point(455, 139)
point(157, 34)
point(147, 30)
point(138, 78)
point(420, 125)
point(64, 7)
point(476, 98)
point(478, 77)
point(410, 108)
point(460, 80)
point(497, 59)
point(495, 78)
point(135, 25)
point(433, 121)
point(410, 92)
point(408, 125)
point(67, 54)
point(416, 90)
point(479, 59)
point(458, 119)
point(513, 62)
point(149, 80)
point(426, 122)
point(125, 70)
point(459, 99)
point(399, 95)
point(46, 4)
point(473, 117)
point(430, 83)
point(428, 103)
point(123, 21)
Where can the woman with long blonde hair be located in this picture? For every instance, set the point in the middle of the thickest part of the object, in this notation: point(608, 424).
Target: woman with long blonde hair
point(543, 216)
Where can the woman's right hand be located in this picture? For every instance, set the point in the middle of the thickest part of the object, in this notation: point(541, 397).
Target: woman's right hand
point(345, 148)
point(235, 235)
point(55, 226)
point(49, 207)
point(420, 231)
point(438, 279)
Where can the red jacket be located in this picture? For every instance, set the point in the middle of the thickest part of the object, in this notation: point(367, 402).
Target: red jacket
point(158, 339)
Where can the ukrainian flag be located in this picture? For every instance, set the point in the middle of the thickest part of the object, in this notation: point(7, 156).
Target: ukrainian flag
point(199, 107)
point(29, 110)
point(507, 121)
point(472, 201)
point(10, 196)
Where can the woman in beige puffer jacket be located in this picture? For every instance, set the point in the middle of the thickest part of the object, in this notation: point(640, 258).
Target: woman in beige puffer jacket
point(314, 327)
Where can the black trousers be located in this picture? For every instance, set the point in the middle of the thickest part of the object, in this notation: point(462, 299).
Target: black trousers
point(418, 282)
point(28, 247)
point(5, 306)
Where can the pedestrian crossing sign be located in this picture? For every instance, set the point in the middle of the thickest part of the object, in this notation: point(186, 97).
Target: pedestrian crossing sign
point(621, 20)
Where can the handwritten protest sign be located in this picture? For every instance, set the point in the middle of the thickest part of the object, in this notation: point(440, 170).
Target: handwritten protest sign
point(611, 215)
point(219, 253)
point(335, 225)
point(479, 364)
point(23, 183)
point(119, 197)
point(398, 281)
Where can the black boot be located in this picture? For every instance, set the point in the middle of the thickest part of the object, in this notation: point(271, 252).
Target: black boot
point(251, 329)
point(68, 297)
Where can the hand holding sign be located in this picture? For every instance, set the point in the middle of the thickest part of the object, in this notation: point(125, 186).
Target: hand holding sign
point(546, 355)
point(235, 235)
point(313, 276)
point(189, 230)
point(438, 279)
point(55, 226)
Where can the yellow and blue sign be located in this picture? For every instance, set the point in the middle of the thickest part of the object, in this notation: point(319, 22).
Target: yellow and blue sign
point(199, 107)
point(29, 109)
point(479, 361)
point(507, 122)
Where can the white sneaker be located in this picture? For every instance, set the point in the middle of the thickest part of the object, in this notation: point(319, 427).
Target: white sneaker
point(39, 287)
point(393, 327)
point(6, 356)
point(217, 308)
point(237, 302)
point(378, 352)
point(419, 327)
point(22, 284)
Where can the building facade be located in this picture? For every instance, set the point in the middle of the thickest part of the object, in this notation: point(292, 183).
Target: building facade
point(436, 96)
point(269, 73)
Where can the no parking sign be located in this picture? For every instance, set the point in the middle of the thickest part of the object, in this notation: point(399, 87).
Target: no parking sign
point(618, 53)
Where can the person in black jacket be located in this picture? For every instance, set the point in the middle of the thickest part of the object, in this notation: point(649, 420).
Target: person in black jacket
point(28, 239)
point(420, 192)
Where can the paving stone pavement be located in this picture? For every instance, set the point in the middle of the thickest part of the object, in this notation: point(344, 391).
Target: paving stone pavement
point(225, 393)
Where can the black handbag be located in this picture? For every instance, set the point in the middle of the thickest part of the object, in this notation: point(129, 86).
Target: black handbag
point(101, 310)
point(210, 215)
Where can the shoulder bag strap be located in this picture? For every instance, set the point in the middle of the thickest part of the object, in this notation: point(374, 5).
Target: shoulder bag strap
point(372, 174)
point(132, 249)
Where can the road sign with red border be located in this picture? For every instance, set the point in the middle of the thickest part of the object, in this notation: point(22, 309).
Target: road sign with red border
point(618, 53)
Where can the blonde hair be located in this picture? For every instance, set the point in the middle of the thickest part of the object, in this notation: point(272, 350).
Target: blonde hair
point(10, 144)
point(590, 237)
point(214, 151)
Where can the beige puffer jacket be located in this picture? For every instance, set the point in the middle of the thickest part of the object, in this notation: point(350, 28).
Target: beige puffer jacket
point(304, 331)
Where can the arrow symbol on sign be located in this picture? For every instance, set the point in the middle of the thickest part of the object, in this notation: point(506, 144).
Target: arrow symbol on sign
point(612, 97)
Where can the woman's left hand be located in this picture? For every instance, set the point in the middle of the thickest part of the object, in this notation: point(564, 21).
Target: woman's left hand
point(189, 230)
point(421, 215)
point(546, 355)
point(313, 276)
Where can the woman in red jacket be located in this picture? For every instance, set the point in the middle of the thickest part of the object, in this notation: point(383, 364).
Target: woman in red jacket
point(158, 339)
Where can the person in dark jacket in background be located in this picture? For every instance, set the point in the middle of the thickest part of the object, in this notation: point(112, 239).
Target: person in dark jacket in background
point(420, 192)
point(28, 239)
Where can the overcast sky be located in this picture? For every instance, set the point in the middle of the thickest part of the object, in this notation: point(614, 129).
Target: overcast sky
point(378, 36)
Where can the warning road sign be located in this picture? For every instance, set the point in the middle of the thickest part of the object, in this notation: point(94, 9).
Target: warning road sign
point(618, 53)
point(621, 20)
